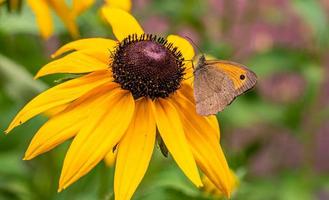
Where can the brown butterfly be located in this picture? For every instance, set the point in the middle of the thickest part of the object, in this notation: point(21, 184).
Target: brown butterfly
point(217, 83)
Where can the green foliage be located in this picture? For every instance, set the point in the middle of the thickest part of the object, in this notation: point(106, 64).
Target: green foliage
point(23, 52)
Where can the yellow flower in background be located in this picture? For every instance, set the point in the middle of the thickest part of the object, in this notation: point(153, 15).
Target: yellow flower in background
point(68, 14)
point(122, 4)
point(42, 10)
point(12, 5)
point(129, 88)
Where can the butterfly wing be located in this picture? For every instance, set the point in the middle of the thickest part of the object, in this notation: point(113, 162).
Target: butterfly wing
point(243, 78)
point(213, 91)
point(218, 83)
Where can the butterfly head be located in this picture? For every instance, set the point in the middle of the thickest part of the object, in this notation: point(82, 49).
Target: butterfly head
point(201, 63)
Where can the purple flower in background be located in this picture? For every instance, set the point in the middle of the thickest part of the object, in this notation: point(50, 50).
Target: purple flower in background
point(276, 148)
point(156, 25)
point(321, 157)
point(257, 27)
point(283, 87)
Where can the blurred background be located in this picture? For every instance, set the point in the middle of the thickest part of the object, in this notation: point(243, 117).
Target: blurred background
point(276, 137)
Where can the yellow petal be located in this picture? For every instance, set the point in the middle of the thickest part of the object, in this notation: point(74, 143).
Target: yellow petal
point(187, 111)
point(106, 125)
point(64, 12)
point(183, 46)
point(67, 123)
point(214, 123)
point(76, 62)
point(55, 110)
point(43, 17)
point(187, 50)
point(211, 189)
point(89, 43)
point(189, 76)
point(135, 151)
point(123, 24)
point(202, 138)
point(51, 134)
point(172, 133)
point(81, 5)
point(110, 158)
point(122, 4)
point(187, 91)
point(102, 54)
point(59, 95)
point(216, 169)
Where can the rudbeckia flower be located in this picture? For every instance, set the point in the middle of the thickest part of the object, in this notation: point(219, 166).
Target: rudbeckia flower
point(12, 5)
point(68, 14)
point(42, 10)
point(130, 90)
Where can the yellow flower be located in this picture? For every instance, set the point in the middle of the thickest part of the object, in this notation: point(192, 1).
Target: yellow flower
point(122, 4)
point(12, 5)
point(129, 88)
point(42, 10)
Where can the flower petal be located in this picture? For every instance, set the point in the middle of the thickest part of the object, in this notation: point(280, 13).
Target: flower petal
point(55, 110)
point(172, 133)
point(135, 151)
point(122, 4)
point(211, 189)
point(89, 43)
point(203, 141)
point(189, 76)
point(64, 12)
point(183, 46)
point(76, 62)
point(187, 91)
point(187, 111)
point(123, 24)
point(187, 50)
point(106, 125)
point(59, 95)
point(214, 123)
point(102, 54)
point(81, 5)
point(51, 134)
point(43, 17)
point(217, 170)
point(71, 120)
point(110, 158)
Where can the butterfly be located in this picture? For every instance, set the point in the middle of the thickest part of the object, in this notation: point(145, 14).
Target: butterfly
point(217, 83)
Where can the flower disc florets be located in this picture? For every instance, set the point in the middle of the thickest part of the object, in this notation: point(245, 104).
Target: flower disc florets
point(148, 66)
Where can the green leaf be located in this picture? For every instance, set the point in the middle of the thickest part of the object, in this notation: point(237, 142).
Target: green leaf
point(17, 82)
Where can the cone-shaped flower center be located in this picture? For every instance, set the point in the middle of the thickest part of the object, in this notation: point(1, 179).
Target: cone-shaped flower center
point(148, 66)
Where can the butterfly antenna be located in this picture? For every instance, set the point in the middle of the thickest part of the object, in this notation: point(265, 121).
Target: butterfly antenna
point(194, 44)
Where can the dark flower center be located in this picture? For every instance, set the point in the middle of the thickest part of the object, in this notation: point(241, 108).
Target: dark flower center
point(148, 66)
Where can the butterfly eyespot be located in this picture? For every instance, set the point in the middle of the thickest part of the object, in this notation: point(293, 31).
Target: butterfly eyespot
point(242, 77)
